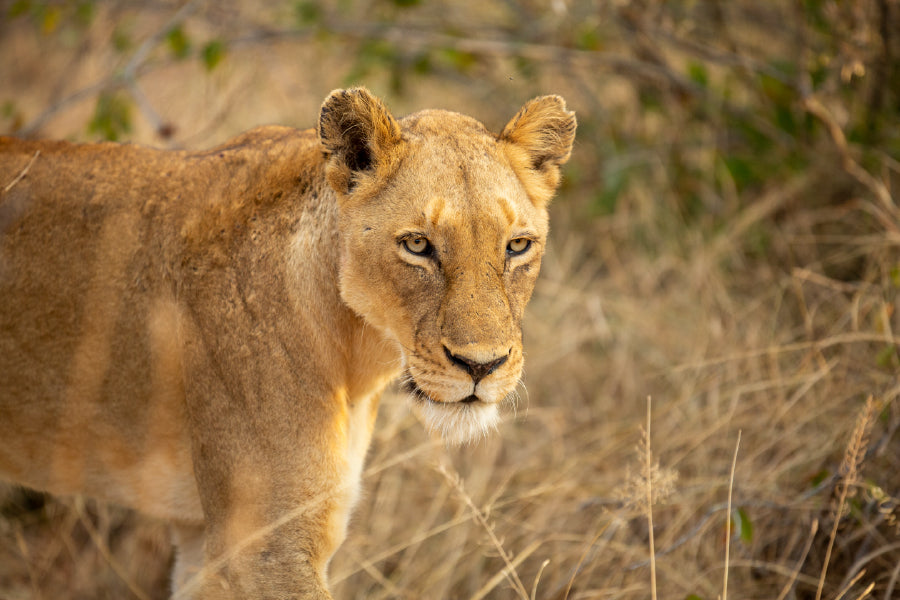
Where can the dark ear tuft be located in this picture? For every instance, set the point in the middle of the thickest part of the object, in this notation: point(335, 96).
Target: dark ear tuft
point(359, 158)
point(356, 132)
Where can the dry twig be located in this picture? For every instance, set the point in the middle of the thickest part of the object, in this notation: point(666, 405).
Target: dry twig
point(728, 518)
point(793, 578)
point(888, 213)
point(23, 173)
point(510, 570)
point(648, 465)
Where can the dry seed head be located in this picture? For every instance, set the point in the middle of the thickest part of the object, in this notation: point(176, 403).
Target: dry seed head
point(859, 443)
point(661, 482)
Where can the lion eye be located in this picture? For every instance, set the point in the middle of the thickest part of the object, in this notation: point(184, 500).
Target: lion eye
point(518, 246)
point(417, 245)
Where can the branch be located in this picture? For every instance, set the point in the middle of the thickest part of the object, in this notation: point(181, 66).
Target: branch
point(95, 88)
point(140, 55)
point(127, 78)
point(617, 63)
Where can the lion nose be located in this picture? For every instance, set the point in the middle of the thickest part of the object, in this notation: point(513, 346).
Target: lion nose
point(476, 370)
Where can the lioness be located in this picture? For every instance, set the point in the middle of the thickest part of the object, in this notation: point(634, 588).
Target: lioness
point(204, 336)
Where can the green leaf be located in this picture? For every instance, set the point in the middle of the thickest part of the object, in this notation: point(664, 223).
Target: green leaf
point(775, 89)
point(885, 415)
point(615, 181)
point(525, 67)
point(406, 3)
point(50, 20)
point(819, 477)
point(459, 60)
point(213, 53)
point(178, 42)
point(742, 171)
point(813, 10)
point(698, 74)
point(19, 8)
point(745, 526)
point(587, 37)
point(885, 356)
point(84, 13)
point(372, 54)
point(112, 116)
point(651, 99)
point(307, 12)
point(121, 40)
point(8, 109)
point(784, 120)
point(379, 52)
point(692, 597)
point(421, 64)
point(818, 75)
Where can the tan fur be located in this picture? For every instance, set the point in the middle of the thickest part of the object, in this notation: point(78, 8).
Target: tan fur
point(204, 336)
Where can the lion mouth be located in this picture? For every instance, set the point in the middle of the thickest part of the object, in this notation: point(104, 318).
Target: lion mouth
point(456, 422)
point(412, 388)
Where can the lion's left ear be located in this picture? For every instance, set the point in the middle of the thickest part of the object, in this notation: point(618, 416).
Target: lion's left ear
point(357, 133)
point(539, 140)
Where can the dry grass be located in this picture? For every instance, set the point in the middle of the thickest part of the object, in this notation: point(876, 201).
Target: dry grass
point(780, 342)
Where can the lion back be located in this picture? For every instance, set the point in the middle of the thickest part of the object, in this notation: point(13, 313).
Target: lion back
point(92, 238)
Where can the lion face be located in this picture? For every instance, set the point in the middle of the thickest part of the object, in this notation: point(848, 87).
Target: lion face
point(443, 226)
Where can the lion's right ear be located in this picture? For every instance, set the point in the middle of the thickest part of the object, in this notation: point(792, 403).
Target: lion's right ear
point(357, 133)
point(539, 140)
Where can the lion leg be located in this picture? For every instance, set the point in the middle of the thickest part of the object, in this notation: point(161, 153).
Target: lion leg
point(277, 449)
point(280, 554)
point(274, 517)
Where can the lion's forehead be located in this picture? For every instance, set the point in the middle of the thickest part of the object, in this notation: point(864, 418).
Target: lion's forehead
point(464, 215)
point(451, 183)
point(475, 167)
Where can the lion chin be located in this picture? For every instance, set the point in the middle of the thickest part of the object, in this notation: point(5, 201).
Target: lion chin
point(457, 423)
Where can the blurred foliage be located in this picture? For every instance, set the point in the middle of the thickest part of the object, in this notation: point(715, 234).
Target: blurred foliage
point(213, 53)
point(50, 17)
point(112, 116)
point(735, 76)
point(179, 42)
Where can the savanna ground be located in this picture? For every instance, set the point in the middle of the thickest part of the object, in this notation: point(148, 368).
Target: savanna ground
point(726, 243)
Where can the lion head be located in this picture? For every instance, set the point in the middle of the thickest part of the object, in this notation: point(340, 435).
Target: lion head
point(443, 225)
